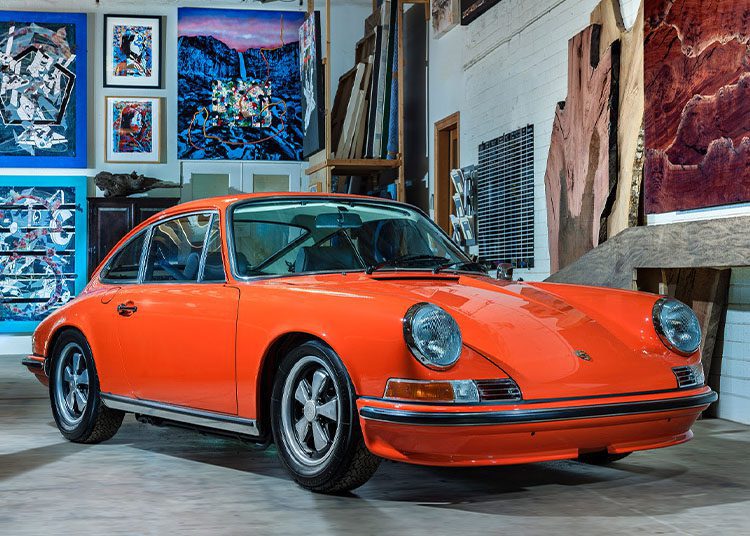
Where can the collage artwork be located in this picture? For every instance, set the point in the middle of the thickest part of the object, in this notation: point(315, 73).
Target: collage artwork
point(41, 239)
point(132, 48)
point(43, 89)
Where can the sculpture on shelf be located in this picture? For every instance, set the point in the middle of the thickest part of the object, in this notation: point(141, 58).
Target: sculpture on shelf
point(123, 184)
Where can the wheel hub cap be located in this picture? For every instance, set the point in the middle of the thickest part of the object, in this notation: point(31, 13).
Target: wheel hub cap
point(310, 411)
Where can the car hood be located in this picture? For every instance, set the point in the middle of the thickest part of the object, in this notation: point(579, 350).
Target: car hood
point(549, 346)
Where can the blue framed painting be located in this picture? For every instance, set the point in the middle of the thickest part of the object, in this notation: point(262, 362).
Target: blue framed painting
point(43, 233)
point(43, 60)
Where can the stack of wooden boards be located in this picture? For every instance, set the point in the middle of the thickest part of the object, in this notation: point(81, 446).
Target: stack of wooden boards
point(364, 118)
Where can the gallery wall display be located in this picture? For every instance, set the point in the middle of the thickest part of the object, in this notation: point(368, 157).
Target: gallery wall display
point(132, 51)
point(239, 87)
point(471, 9)
point(311, 73)
point(697, 80)
point(43, 60)
point(42, 247)
point(134, 128)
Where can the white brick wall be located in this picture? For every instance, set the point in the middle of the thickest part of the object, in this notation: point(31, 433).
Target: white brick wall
point(512, 66)
point(734, 376)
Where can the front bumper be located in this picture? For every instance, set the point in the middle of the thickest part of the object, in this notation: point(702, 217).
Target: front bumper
point(529, 431)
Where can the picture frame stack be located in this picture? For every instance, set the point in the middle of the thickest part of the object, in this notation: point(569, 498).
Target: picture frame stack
point(133, 59)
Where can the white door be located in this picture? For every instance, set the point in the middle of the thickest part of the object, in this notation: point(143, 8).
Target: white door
point(211, 178)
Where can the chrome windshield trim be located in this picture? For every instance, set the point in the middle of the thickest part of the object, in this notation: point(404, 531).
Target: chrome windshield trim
point(229, 229)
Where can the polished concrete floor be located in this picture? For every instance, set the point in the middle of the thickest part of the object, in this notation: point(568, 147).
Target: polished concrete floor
point(151, 480)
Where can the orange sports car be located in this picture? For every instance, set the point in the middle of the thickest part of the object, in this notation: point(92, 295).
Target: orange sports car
point(349, 329)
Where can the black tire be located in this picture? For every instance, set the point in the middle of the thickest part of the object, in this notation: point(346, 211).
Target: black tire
point(96, 422)
point(601, 457)
point(346, 463)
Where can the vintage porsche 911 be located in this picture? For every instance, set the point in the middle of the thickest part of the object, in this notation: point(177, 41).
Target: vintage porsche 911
point(349, 329)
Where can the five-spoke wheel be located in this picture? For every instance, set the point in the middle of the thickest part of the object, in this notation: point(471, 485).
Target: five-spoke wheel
point(315, 422)
point(310, 410)
point(74, 392)
point(71, 387)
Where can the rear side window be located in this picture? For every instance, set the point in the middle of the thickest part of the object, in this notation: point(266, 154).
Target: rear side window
point(126, 262)
point(174, 253)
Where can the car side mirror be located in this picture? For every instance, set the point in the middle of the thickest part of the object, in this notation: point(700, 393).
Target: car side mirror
point(505, 271)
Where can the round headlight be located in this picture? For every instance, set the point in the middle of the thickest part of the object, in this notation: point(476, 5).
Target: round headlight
point(433, 336)
point(677, 326)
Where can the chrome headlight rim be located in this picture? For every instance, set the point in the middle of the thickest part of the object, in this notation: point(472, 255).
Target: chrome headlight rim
point(411, 343)
point(661, 332)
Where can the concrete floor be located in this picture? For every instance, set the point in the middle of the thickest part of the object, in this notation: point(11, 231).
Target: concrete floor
point(151, 480)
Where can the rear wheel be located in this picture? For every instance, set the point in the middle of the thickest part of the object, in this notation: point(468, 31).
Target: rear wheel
point(74, 393)
point(601, 457)
point(315, 423)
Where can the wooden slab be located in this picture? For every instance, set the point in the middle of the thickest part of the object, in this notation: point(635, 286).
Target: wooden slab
point(582, 163)
point(630, 110)
point(697, 84)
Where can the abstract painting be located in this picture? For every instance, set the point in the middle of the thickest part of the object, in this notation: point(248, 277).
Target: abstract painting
point(311, 73)
point(471, 9)
point(446, 14)
point(42, 247)
point(43, 89)
point(133, 129)
point(697, 82)
point(239, 86)
point(132, 51)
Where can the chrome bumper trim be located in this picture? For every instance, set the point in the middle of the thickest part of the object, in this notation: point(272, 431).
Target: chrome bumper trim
point(522, 416)
point(182, 414)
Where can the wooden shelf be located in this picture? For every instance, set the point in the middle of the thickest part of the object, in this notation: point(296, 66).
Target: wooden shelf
point(354, 166)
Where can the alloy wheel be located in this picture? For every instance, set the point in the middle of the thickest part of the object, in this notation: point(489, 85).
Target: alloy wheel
point(71, 388)
point(310, 411)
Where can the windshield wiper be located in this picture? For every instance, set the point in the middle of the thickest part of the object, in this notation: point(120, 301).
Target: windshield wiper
point(403, 259)
point(459, 265)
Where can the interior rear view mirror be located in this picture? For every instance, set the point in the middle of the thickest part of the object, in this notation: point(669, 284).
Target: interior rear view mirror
point(338, 220)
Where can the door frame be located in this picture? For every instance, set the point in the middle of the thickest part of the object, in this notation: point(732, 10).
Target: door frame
point(442, 190)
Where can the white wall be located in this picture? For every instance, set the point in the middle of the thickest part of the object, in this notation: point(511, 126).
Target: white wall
point(347, 27)
point(734, 376)
point(506, 70)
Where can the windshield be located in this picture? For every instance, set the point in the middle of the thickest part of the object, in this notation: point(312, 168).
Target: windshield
point(273, 238)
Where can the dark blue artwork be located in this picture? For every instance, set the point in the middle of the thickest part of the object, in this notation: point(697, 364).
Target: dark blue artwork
point(239, 87)
point(43, 89)
point(42, 247)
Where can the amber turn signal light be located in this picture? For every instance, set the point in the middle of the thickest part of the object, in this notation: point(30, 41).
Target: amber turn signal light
point(423, 391)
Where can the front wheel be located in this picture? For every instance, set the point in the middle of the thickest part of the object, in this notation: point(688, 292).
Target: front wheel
point(74, 393)
point(315, 423)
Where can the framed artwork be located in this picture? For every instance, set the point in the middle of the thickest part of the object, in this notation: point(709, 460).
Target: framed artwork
point(133, 129)
point(311, 73)
point(471, 9)
point(446, 15)
point(132, 51)
point(239, 91)
point(42, 247)
point(43, 89)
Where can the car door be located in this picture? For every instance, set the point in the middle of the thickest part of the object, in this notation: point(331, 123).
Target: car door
point(176, 327)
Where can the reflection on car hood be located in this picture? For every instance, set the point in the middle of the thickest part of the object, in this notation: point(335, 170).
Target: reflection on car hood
point(530, 332)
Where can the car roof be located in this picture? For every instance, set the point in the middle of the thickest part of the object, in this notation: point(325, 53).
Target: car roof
point(221, 203)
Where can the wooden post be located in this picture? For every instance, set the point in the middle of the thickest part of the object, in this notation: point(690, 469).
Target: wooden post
point(328, 147)
point(401, 183)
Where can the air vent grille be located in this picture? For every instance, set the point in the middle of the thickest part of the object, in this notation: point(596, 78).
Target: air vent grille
point(689, 376)
point(505, 198)
point(498, 390)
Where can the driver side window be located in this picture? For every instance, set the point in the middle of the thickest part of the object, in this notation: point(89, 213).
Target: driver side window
point(174, 252)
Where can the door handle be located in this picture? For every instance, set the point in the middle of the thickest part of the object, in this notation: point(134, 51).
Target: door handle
point(126, 310)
